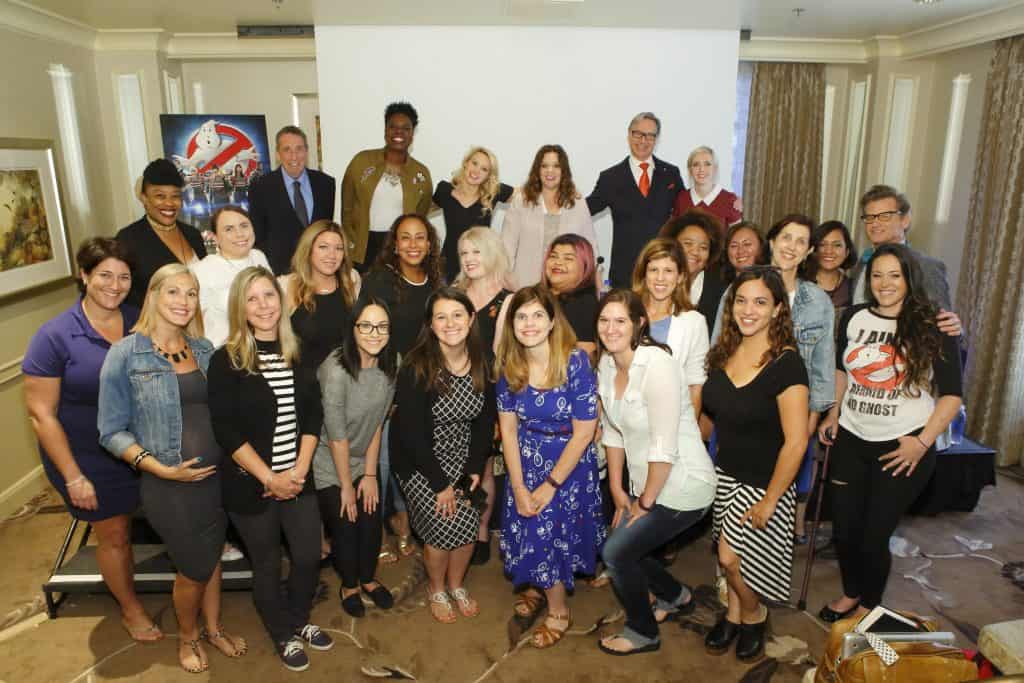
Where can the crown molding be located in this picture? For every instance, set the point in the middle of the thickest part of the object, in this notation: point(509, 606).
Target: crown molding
point(131, 40)
point(883, 46)
point(981, 27)
point(827, 50)
point(198, 46)
point(22, 17)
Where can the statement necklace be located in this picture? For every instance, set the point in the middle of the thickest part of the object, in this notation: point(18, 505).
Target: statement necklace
point(179, 357)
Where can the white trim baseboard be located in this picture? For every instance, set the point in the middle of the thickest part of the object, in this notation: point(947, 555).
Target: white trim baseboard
point(17, 493)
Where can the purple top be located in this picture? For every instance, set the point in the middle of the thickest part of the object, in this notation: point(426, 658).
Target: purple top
point(69, 348)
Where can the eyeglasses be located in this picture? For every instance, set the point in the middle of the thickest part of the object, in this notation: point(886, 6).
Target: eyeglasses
point(366, 328)
point(884, 217)
point(641, 136)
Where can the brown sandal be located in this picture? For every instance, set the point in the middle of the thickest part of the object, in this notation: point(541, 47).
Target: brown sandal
point(545, 636)
point(143, 634)
point(194, 644)
point(237, 644)
point(529, 603)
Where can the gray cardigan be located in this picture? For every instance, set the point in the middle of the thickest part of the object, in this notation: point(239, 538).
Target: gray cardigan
point(353, 410)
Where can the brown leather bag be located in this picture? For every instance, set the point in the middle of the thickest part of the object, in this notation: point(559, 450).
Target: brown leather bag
point(918, 662)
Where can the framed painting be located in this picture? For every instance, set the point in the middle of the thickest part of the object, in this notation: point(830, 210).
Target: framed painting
point(33, 238)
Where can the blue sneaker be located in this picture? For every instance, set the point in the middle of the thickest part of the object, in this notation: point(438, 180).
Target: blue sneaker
point(292, 655)
point(314, 637)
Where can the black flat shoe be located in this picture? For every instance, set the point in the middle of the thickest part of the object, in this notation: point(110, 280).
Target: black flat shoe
point(718, 640)
point(353, 605)
point(381, 596)
point(637, 649)
point(750, 644)
point(481, 553)
point(830, 616)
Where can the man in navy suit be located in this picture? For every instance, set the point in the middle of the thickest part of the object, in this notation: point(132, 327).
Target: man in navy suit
point(286, 201)
point(639, 190)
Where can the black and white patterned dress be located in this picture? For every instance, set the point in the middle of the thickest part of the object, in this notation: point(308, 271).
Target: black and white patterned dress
point(453, 416)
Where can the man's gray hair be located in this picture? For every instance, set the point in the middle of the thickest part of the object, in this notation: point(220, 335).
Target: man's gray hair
point(650, 117)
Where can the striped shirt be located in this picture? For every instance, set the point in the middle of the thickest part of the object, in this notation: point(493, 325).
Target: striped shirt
point(281, 379)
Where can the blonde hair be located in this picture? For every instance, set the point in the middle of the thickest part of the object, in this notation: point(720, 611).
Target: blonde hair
point(301, 292)
point(714, 161)
point(241, 343)
point(148, 317)
point(489, 187)
point(511, 360)
point(493, 257)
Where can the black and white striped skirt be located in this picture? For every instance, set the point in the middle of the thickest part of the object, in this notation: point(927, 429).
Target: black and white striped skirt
point(766, 555)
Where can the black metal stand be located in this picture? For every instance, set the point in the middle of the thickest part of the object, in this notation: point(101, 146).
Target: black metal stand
point(820, 485)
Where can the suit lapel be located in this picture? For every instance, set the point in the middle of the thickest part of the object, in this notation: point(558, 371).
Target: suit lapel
point(283, 195)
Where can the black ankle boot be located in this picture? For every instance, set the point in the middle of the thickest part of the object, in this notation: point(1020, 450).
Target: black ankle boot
point(750, 645)
point(718, 640)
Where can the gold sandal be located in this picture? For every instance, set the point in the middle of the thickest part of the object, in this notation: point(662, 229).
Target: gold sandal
point(406, 546)
point(386, 555)
point(223, 637)
point(545, 636)
point(194, 644)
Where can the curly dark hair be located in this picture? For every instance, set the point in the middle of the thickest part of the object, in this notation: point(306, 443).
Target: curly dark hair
point(728, 271)
point(433, 262)
point(812, 265)
point(566, 188)
point(918, 339)
point(780, 329)
point(401, 108)
point(711, 225)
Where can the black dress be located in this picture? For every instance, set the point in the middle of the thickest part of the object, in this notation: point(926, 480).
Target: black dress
point(580, 309)
point(487, 321)
point(458, 219)
point(321, 330)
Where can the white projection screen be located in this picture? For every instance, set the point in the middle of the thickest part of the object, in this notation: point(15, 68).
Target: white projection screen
point(513, 89)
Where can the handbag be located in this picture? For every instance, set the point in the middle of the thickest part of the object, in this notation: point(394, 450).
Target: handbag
point(917, 663)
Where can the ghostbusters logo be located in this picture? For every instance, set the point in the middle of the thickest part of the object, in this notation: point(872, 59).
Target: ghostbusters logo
point(876, 367)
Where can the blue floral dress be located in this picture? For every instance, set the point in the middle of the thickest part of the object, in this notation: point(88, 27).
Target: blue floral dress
point(563, 539)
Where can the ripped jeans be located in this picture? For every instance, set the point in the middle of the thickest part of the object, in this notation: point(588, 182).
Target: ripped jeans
point(867, 504)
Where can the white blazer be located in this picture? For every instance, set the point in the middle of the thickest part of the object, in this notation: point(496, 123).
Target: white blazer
point(654, 422)
point(688, 339)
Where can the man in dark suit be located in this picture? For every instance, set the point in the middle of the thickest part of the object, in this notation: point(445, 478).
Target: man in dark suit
point(885, 212)
point(286, 201)
point(639, 190)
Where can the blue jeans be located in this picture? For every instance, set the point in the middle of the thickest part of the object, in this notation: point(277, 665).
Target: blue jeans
point(628, 556)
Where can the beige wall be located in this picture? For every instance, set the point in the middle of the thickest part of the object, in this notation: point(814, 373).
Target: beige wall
point(27, 101)
point(929, 121)
point(253, 87)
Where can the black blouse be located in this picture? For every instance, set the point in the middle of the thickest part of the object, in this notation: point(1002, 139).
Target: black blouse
point(405, 300)
point(580, 309)
point(321, 330)
point(747, 419)
point(458, 219)
point(150, 253)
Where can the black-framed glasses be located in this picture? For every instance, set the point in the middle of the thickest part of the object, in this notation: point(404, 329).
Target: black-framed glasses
point(884, 217)
point(640, 136)
point(367, 328)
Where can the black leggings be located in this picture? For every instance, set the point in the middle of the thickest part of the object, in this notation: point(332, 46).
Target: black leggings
point(867, 504)
point(355, 544)
point(282, 612)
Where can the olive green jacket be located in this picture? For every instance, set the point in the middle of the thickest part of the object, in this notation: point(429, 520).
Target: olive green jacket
point(357, 187)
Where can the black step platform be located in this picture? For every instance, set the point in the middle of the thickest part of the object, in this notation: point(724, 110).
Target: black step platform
point(154, 571)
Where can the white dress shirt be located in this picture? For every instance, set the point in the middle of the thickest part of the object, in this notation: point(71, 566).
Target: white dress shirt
point(634, 165)
point(654, 422)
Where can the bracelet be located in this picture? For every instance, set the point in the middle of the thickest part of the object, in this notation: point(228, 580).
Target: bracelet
point(369, 476)
point(926, 446)
point(143, 454)
point(554, 484)
point(640, 503)
point(74, 482)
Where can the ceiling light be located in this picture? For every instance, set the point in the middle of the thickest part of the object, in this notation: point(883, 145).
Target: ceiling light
point(926, 2)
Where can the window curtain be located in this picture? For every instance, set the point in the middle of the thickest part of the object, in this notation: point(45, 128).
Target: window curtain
point(785, 135)
point(993, 313)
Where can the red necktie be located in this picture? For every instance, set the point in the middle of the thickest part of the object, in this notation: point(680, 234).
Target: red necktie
point(645, 180)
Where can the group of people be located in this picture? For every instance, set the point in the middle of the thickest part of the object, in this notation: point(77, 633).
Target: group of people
point(319, 381)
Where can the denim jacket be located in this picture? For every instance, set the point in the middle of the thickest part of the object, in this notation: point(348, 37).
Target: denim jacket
point(813, 327)
point(139, 400)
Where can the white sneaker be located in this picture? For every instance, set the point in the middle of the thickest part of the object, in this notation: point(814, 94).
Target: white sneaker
point(231, 553)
